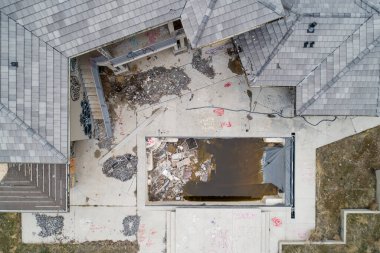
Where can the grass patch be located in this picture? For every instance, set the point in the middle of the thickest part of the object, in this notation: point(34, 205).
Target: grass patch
point(363, 235)
point(346, 180)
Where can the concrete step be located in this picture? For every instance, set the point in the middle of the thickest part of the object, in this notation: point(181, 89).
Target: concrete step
point(265, 223)
point(172, 232)
point(168, 232)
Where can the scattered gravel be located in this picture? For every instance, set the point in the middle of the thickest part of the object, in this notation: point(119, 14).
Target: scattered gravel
point(121, 167)
point(49, 225)
point(131, 225)
point(203, 65)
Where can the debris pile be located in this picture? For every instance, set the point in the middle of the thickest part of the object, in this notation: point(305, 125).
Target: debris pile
point(175, 162)
point(131, 225)
point(85, 117)
point(99, 133)
point(49, 225)
point(203, 65)
point(74, 88)
point(143, 88)
point(121, 167)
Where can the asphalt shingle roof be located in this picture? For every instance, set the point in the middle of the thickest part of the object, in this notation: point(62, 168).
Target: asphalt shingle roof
point(339, 75)
point(209, 21)
point(40, 35)
point(77, 26)
point(33, 98)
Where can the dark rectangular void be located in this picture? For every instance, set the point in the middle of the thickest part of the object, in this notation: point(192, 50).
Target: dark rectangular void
point(220, 169)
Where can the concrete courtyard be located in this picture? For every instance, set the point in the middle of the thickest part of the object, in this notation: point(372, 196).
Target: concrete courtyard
point(98, 204)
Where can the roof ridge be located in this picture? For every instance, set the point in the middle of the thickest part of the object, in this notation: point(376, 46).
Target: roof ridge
point(271, 7)
point(341, 73)
point(277, 47)
point(370, 5)
point(204, 21)
point(39, 38)
point(32, 133)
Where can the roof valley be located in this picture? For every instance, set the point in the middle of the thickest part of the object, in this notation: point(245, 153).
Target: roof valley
point(278, 46)
point(204, 21)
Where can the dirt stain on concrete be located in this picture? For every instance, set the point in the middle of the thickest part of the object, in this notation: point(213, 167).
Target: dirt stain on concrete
point(203, 65)
point(235, 66)
point(97, 153)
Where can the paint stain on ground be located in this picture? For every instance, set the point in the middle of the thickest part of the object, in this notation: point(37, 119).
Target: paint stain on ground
point(227, 85)
point(235, 66)
point(219, 111)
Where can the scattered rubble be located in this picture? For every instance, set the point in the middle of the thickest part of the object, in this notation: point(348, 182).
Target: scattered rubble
point(74, 88)
point(85, 117)
point(121, 167)
point(203, 65)
point(99, 133)
point(174, 162)
point(143, 88)
point(131, 225)
point(49, 225)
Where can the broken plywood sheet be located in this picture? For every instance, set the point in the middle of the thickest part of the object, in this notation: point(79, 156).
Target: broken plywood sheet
point(218, 230)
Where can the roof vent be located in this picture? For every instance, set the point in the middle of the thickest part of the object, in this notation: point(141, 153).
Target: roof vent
point(14, 64)
point(308, 44)
point(311, 27)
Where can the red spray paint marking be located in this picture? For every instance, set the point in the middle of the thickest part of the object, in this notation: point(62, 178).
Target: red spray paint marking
point(219, 111)
point(226, 124)
point(277, 222)
point(226, 85)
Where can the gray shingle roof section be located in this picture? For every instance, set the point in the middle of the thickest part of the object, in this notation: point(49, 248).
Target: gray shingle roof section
point(351, 83)
point(326, 7)
point(260, 45)
point(76, 26)
point(19, 143)
point(339, 75)
point(293, 62)
point(33, 96)
point(34, 187)
point(227, 18)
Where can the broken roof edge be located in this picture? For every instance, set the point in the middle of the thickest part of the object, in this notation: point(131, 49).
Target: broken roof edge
point(62, 159)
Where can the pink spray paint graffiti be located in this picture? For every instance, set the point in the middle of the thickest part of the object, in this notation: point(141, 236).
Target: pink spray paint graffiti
point(277, 222)
point(219, 111)
point(226, 124)
point(228, 84)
